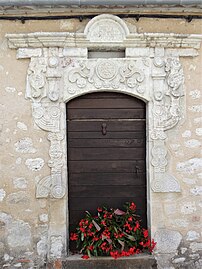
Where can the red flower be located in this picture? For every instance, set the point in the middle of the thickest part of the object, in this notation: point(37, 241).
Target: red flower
point(137, 226)
point(132, 206)
point(103, 222)
point(90, 233)
point(128, 226)
point(99, 209)
point(117, 235)
point(147, 243)
point(91, 247)
point(73, 237)
point(106, 233)
point(85, 257)
point(103, 246)
point(145, 233)
point(130, 219)
point(132, 251)
point(153, 244)
point(82, 229)
point(81, 222)
point(95, 238)
point(115, 254)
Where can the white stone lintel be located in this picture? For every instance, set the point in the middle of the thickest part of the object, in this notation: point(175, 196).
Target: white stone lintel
point(57, 39)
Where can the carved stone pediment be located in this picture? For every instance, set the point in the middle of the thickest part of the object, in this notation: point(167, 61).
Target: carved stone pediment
point(106, 28)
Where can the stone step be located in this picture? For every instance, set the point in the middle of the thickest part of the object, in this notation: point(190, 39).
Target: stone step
point(140, 261)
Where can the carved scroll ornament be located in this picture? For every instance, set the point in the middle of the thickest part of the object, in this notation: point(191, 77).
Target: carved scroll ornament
point(105, 74)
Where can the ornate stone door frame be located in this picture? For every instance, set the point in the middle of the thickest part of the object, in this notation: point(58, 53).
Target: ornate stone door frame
point(60, 70)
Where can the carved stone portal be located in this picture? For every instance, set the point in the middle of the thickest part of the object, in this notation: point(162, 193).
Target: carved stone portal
point(60, 70)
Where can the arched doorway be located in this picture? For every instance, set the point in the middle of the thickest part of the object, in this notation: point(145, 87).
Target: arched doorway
point(106, 138)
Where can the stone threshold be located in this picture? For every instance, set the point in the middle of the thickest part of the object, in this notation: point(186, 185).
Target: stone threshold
point(140, 261)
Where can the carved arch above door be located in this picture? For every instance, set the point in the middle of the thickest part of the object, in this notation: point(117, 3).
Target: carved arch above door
point(60, 70)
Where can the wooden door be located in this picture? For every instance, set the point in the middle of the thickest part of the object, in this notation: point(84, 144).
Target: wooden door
point(106, 153)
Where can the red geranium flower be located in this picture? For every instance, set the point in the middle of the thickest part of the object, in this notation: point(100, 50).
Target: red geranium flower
point(91, 247)
point(130, 219)
point(82, 230)
point(115, 254)
point(137, 226)
point(73, 237)
point(145, 233)
point(132, 206)
point(85, 257)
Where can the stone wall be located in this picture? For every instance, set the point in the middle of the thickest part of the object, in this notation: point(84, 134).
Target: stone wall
point(25, 221)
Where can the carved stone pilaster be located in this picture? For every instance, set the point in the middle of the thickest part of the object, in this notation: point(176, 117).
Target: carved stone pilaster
point(43, 88)
point(53, 185)
point(167, 111)
point(56, 163)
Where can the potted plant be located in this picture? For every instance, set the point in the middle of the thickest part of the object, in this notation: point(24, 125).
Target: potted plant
point(112, 232)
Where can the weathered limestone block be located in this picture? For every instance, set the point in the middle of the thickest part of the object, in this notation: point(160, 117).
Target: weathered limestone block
point(56, 246)
point(25, 145)
point(35, 164)
point(167, 241)
point(20, 198)
point(19, 235)
point(20, 183)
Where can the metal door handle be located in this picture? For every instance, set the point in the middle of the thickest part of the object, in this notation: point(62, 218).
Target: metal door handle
point(104, 128)
point(137, 169)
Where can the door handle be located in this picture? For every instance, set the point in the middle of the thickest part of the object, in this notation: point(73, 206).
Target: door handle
point(137, 169)
point(104, 128)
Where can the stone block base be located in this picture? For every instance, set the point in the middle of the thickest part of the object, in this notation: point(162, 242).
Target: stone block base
point(136, 262)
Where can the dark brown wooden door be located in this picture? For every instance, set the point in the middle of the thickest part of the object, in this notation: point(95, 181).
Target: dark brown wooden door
point(106, 153)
